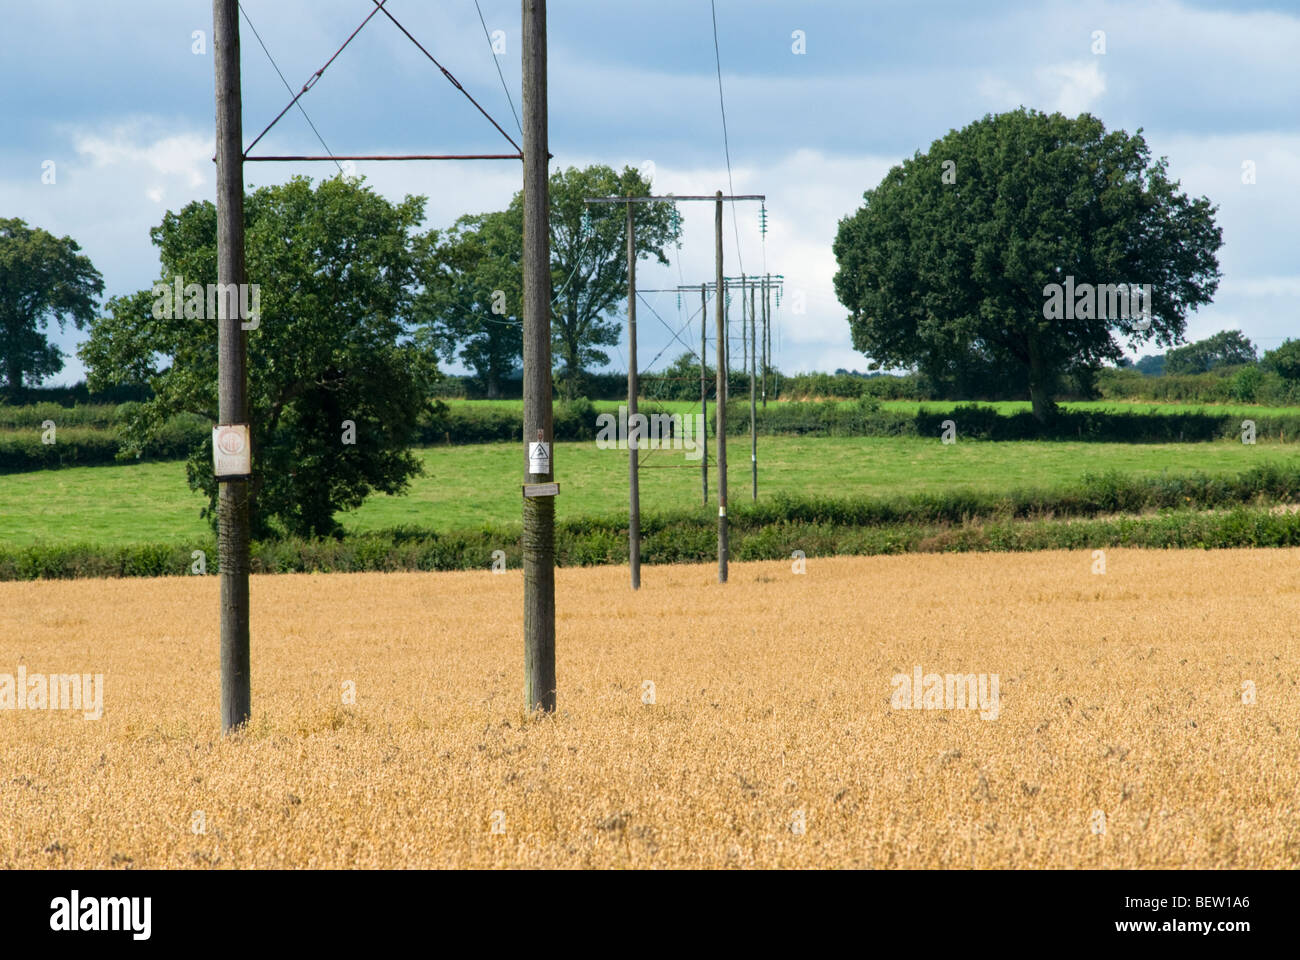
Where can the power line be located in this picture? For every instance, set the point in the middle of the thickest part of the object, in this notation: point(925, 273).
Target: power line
point(726, 144)
point(496, 60)
point(287, 87)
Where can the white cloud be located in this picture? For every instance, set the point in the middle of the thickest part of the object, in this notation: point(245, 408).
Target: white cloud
point(1077, 85)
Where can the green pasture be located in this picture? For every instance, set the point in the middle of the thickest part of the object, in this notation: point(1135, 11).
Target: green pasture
point(465, 486)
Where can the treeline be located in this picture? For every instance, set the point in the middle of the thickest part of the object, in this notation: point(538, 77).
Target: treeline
point(1198, 510)
point(22, 448)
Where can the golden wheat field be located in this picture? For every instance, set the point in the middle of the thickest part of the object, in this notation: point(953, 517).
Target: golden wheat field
point(1121, 740)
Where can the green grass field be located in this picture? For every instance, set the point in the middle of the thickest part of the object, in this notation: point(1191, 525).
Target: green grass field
point(467, 486)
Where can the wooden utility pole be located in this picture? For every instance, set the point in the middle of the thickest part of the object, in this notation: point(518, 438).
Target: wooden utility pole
point(633, 482)
point(232, 368)
point(720, 291)
point(767, 339)
point(704, 396)
point(744, 338)
point(539, 511)
point(753, 410)
point(725, 351)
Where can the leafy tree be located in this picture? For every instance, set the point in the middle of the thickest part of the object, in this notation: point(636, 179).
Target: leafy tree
point(1226, 348)
point(1152, 365)
point(588, 268)
point(41, 277)
point(589, 260)
point(1285, 360)
point(951, 256)
point(470, 305)
point(334, 264)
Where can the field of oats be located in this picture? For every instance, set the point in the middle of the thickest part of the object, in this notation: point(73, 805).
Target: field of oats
point(1122, 740)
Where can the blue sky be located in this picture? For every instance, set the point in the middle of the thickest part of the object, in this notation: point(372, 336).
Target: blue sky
point(114, 94)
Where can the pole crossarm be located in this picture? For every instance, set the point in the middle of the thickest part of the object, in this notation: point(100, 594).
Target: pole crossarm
point(669, 198)
point(311, 82)
point(409, 156)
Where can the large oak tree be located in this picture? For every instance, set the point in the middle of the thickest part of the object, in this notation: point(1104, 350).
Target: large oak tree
point(42, 277)
point(949, 261)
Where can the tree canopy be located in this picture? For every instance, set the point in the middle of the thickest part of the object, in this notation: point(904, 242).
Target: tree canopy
point(469, 307)
point(335, 264)
point(1284, 360)
point(476, 265)
point(42, 277)
point(1226, 348)
point(954, 257)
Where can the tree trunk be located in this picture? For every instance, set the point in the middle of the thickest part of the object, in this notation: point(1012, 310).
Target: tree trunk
point(571, 368)
point(1042, 386)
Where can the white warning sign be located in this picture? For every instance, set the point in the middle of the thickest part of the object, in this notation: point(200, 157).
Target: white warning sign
point(539, 457)
point(231, 451)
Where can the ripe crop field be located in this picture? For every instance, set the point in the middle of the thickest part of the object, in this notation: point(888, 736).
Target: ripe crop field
point(1123, 736)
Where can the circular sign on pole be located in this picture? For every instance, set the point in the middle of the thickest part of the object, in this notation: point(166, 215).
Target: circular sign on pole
point(231, 452)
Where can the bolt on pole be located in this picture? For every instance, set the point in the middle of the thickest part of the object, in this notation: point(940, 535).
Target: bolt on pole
point(539, 511)
point(720, 298)
point(232, 368)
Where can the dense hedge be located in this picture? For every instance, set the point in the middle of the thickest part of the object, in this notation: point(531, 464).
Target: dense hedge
point(674, 542)
point(77, 394)
point(23, 449)
point(1069, 517)
point(1248, 383)
point(32, 415)
point(979, 422)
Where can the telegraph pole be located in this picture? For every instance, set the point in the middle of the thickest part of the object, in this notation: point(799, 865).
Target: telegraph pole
point(539, 511)
point(744, 338)
point(232, 369)
point(722, 395)
point(753, 411)
point(634, 486)
point(704, 396)
point(767, 337)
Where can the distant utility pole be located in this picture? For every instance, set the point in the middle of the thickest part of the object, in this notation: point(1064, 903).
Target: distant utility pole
point(744, 337)
point(704, 396)
point(232, 371)
point(634, 511)
point(722, 395)
point(539, 470)
point(767, 336)
point(633, 481)
point(753, 412)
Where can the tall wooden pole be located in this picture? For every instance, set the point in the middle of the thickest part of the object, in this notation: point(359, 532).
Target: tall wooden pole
point(725, 351)
point(539, 512)
point(753, 408)
point(722, 395)
point(744, 337)
point(232, 368)
point(634, 488)
point(767, 339)
point(704, 396)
